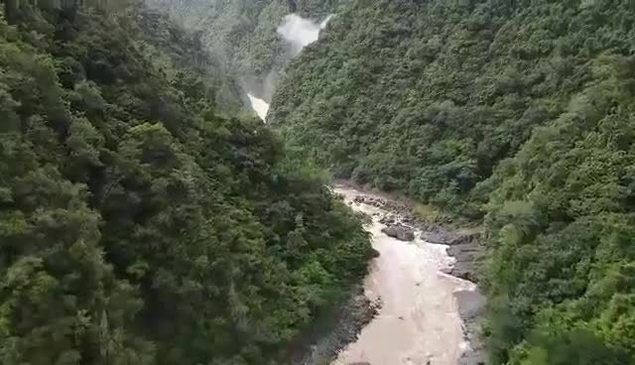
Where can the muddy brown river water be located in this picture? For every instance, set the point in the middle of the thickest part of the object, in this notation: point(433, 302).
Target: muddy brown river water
point(419, 322)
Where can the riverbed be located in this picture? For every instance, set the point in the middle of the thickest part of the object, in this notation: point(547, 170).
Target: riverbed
point(419, 321)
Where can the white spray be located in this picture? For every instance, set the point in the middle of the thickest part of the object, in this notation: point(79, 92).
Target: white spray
point(298, 32)
point(260, 106)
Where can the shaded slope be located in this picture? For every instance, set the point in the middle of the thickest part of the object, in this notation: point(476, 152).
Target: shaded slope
point(135, 225)
point(426, 97)
point(517, 111)
point(242, 33)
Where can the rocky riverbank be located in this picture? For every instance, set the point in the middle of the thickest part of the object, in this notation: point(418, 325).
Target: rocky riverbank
point(464, 245)
point(343, 328)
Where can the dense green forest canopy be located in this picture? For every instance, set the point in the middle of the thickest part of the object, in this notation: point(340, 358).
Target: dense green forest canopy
point(136, 225)
point(243, 34)
point(520, 113)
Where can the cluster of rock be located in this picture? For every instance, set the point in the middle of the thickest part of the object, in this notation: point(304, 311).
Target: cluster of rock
point(466, 247)
point(397, 226)
point(382, 203)
point(373, 201)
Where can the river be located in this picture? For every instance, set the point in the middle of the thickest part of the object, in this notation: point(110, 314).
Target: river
point(419, 321)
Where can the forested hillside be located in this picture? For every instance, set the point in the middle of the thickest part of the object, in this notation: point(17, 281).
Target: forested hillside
point(136, 226)
point(242, 33)
point(518, 113)
point(562, 266)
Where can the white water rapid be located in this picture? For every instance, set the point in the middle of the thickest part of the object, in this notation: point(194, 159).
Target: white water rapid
point(419, 322)
point(260, 106)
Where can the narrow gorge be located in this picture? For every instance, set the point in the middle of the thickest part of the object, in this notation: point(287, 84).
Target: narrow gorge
point(317, 182)
point(418, 319)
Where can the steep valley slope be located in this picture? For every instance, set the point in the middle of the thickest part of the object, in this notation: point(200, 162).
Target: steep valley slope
point(519, 115)
point(137, 226)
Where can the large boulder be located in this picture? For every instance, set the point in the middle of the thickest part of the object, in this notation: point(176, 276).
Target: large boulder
point(437, 236)
point(468, 253)
point(399, 231)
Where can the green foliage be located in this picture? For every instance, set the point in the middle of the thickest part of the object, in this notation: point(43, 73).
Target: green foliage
point(136, 227)
point(519, 112)
point(242, 33)
point(565, 253)
point(427, 97)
